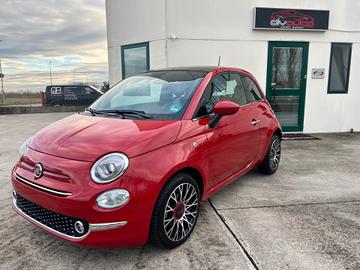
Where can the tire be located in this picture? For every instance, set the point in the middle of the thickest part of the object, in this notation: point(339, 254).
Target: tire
point(176, 212)
point(271, 162)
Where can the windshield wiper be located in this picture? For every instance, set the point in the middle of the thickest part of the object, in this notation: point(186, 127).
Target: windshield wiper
point(140, 114)
point(93, 112)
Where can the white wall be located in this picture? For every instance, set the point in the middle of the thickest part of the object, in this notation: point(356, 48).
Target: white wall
point(233, 54)
point(205, 29)
point(133, 21)
point(331, 112)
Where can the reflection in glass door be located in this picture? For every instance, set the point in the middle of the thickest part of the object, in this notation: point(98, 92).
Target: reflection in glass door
point(286, 81)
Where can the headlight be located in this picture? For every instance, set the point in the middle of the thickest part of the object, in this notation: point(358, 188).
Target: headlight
point(113, 198)
point(22, 148)
point(109, 167)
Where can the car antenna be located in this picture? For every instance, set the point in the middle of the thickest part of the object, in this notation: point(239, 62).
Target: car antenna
point(219, 60)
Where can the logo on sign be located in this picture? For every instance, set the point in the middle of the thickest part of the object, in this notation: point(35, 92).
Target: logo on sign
point(291, 19)
point(55, 90)
point(318, 73)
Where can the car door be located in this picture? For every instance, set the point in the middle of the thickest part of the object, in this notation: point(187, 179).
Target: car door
point(232, 143)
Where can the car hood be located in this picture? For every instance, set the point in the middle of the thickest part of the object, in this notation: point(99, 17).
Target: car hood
point(86, 138)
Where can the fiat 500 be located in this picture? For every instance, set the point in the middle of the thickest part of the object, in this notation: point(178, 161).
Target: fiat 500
point(136, 164)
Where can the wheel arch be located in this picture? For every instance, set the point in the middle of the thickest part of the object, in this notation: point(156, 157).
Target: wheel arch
point(271, 132)
point(196, 175)
point(278, 132)
point(190, 170)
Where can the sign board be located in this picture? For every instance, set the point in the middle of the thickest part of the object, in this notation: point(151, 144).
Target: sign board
point(2, 75)
point(318, 73)
point(291, 19)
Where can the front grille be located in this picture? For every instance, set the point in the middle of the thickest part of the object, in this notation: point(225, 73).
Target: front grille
point(60, 223)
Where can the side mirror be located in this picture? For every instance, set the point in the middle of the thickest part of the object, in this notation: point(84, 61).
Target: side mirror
point(223, 108)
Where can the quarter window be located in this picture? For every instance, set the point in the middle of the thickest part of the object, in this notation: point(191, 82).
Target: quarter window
point(251, 90)
point(339, 68)
point(134, 59)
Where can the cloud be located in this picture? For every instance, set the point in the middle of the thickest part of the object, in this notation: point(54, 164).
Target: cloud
point(70, 33)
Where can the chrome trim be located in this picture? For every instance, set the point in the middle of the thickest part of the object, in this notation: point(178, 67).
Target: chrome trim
point(92, 226)
point(107, 226)
point(62, 193)
point(255, 122)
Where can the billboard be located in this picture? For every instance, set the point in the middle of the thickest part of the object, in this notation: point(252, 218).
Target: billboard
point(291, 19)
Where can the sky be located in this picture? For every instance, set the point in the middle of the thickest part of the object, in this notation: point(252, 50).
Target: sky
point(69, 33)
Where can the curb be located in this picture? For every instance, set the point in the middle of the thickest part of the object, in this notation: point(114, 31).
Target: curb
point(29, 109)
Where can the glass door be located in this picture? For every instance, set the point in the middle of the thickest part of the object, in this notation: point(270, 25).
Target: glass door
point(286, 82)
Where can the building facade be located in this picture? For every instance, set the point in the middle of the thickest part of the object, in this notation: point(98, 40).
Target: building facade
point(305, 54)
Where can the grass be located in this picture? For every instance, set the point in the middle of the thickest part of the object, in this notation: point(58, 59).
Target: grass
point(21, 100)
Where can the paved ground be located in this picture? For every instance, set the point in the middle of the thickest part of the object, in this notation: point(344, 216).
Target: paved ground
point(306, 216)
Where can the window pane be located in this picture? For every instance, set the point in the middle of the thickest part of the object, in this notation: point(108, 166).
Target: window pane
point(239, 95)
point(252, 92)
point(339, 67)
point(286, 67)
point(227, 86)
point(163, 95)
point(287, 110)
point(135, 60)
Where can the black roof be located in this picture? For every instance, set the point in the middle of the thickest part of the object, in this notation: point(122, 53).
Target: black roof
point(191, 68)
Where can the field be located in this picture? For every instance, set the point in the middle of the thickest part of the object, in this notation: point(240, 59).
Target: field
point(21, 99)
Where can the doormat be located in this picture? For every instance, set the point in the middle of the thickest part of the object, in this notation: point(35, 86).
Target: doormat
point(298, 137)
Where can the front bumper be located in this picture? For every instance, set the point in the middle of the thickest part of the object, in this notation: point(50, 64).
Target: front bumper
point(75, 197)
point(39, 220)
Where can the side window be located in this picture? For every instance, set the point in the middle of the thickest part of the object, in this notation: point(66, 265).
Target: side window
point(252, 92)
point(225, 86)
point(88, 91)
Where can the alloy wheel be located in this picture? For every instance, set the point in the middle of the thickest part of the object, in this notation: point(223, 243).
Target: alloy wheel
point(181, 211)
point(275, 153)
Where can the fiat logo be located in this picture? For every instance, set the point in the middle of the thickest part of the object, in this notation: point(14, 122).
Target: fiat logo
point(38, 170)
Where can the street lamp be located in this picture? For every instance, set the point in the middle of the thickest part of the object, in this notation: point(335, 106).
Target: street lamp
point(51, 82)
point(2, 81)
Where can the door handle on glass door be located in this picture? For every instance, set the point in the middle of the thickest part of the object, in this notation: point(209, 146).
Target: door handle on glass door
point(254, 122)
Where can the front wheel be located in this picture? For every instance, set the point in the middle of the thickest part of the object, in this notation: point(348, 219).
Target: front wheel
point(176, 212)
point(272, 159)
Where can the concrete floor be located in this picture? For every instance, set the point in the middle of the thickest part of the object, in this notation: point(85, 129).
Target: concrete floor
point(306, 216)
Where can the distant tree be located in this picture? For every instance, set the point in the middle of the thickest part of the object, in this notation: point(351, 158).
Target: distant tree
point(105, 86)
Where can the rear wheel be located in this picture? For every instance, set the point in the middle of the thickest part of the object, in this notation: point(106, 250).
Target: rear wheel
point(271, 161)
point(176, 212)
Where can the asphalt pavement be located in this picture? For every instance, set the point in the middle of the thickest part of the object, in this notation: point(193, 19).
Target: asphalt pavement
point(306, 216)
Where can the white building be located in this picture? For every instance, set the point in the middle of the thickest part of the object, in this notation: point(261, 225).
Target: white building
point(293, 67)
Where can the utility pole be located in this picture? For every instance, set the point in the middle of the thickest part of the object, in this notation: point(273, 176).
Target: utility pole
point(51, 82)
point(2, 82)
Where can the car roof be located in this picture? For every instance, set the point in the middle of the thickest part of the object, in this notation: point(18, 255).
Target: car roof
point(216, 69)
point(187, 68)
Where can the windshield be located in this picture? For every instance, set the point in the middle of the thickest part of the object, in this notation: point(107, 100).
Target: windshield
point(161, 95)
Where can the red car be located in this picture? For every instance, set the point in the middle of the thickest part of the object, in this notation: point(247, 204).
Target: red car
point(137, 163)
point(291, 18)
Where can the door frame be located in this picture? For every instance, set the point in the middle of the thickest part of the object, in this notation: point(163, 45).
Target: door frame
point(302, 89)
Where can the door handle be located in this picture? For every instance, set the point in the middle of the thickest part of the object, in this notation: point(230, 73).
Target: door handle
point(255, 122)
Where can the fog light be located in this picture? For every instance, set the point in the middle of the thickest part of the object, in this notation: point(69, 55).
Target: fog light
point(113, 198)
point(79, 227)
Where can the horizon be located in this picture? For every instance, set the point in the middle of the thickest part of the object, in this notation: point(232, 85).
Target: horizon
point(32, 37)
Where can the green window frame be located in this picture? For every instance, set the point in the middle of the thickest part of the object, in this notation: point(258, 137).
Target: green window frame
point(130, 47)
point(342, 68)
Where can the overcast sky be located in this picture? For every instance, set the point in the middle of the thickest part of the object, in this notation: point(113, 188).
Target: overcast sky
point(70, 33)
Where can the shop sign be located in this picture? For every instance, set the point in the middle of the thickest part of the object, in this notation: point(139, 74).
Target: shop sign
point(291, 19)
